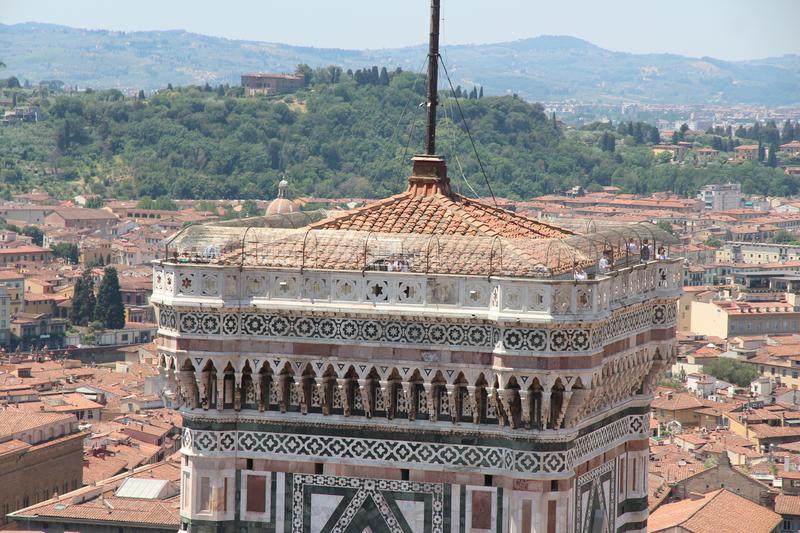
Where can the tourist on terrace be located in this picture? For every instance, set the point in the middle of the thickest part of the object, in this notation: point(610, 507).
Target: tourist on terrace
point(645, 253)
point(604, 265)
point(662, 253)
point(580, 273)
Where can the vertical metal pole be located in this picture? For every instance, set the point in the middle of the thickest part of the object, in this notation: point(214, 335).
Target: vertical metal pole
point(433, 79)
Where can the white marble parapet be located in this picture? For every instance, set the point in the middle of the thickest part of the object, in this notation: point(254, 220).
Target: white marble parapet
point(496, 298)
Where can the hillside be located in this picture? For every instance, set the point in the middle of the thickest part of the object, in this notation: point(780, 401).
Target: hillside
point(542, 68)
point(351, 139)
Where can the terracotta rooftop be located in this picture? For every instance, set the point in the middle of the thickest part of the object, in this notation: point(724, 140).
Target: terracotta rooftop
point(677, 401)
point(15, 421)
point(717, 511)
point(87, 505)
point(787, 505)
point(430, 207)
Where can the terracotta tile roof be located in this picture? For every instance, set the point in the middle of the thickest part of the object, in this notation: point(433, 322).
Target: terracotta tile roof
point(14, 421)
point(82, 213)
point(439, 214)
point(99, 468)
point(717, 511)
point(787, 505)
point(678, 401)
point(765, 431)
point(13, 445)
point(673, 464)
point(99, 504)
point(657, 492)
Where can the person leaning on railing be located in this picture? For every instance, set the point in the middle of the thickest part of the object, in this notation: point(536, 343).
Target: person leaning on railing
point(579, 272)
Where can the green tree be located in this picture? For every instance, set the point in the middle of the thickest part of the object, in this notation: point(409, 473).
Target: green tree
point(784, 237)
point(250, 209)
point(788, 132)
point(665, 225)
point(305, 72)
point(731, 370)
point(68, 251)
point(35, 233)
point(772, 156)
point(83, 300)
point(95, 202)
point(109, 308)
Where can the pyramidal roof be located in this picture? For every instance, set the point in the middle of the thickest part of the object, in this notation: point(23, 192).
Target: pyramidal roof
point(429, 206)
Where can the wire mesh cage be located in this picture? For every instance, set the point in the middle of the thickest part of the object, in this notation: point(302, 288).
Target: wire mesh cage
point(330, 249)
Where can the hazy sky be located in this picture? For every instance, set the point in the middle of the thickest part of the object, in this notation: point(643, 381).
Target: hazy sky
point(727, 29)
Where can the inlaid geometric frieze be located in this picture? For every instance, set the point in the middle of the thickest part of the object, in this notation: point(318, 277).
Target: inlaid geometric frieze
point(380, 452)
point(442, 333)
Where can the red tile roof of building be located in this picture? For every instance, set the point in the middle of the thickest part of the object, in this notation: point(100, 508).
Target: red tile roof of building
point(715, 512)
point(81, 213)
point(439, 214)
point(678, 401)
point(99, 503)
point(15, 421)
point(786, 504)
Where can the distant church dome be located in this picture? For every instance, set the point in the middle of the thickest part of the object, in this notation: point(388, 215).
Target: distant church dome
point(281, 204)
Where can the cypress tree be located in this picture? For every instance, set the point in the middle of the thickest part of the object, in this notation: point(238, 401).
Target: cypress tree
point(772, 156)
point(761, 151)
point(83, 300)
point(480, 93)
point(109, 309)
point(788, 133)
point(638, 135)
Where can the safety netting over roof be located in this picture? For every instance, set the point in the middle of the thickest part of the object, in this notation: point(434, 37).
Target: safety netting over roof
point(310, 249)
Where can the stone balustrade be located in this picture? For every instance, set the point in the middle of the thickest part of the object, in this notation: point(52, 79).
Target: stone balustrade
point(193, 285)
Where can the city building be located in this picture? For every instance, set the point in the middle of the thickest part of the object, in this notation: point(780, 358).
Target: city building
point(705, 155)
point(80, 218)
point(145, 499)
point(258, 83)
point(676, 152)
point(756, 253)
point(746, 152)
point(721, 196)
point(41, 454)
point(720, 510)
point(31, 254)
point(791, 149)
point(728, 318)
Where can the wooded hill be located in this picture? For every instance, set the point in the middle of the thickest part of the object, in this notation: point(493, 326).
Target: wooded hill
point(343, 136)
